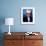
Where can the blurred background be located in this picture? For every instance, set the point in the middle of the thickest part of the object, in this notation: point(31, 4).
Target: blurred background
point(12, 8)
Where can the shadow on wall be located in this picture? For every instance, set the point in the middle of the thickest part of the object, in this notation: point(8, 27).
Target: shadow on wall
point(2, 21)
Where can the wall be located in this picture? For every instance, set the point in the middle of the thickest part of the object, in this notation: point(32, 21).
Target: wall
point(11, 8)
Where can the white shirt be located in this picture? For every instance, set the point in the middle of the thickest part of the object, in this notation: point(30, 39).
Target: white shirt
point(28, 19)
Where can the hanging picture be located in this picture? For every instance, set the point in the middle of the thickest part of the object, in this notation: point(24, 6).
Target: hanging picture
point(27, 15)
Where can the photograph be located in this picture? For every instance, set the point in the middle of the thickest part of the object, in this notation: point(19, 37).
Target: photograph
point(27, 15)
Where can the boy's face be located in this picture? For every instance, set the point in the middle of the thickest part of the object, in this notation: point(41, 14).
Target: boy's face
point(28, 14)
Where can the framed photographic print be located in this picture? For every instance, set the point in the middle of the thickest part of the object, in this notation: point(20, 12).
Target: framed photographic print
point(27, 15)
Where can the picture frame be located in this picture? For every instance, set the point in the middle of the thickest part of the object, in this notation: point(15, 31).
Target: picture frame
point(27, 11)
